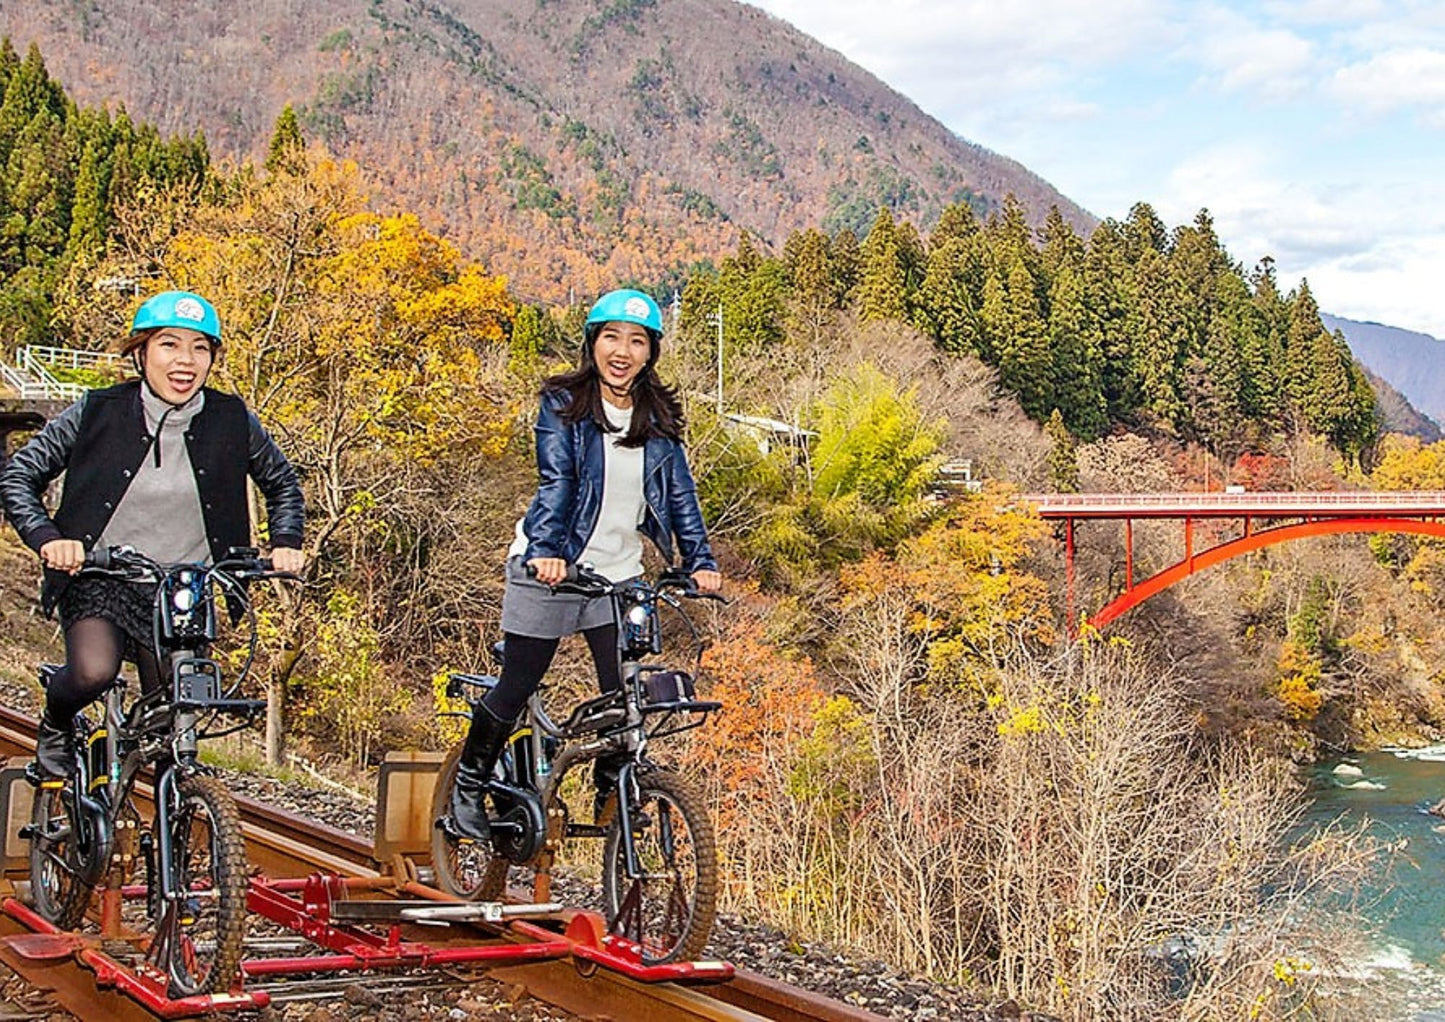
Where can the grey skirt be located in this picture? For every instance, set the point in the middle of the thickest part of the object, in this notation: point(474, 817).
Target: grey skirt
point(532, 609)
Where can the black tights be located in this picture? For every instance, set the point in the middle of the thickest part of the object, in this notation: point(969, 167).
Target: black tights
point(527, 659)
point(93, 651)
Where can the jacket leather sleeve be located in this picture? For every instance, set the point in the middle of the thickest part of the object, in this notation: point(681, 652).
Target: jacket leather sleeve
point(32, 469)
point(686, 514)
point(547, 523)
point(285, 503)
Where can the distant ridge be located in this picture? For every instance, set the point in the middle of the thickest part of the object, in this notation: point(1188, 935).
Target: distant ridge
point(1398, 414)
point(569, 144)
point(1413, 363)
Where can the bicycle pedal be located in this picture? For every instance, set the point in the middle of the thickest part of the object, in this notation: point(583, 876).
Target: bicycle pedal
point(27, 832)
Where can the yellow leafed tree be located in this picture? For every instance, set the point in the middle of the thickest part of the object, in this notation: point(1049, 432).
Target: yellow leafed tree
point(363, 341)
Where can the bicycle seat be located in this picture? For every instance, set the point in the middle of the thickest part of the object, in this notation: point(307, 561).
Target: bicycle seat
point(471, 686)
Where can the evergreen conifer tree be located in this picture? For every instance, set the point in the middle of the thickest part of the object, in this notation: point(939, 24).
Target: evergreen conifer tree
point(287, 149)
point(1063, 455)
point(881, 288)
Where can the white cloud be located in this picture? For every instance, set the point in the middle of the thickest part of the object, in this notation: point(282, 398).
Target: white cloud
point(1319, 12)
point(1238, 55)
point(1394, 79)
point(993, 49)
point(1371, 250)
point(1397, 283)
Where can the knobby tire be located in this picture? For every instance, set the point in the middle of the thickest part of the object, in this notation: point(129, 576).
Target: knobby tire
point(200, 938)
point(464, 869)
point(56, 889)
point(670, 910)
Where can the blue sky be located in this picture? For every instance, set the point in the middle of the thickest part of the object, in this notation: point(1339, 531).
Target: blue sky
point(1312, 130)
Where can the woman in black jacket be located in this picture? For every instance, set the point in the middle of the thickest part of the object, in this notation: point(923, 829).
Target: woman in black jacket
point(158, 464)
point(612, 470)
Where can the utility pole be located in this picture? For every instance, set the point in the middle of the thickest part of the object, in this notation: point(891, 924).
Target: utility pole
point(717, 317)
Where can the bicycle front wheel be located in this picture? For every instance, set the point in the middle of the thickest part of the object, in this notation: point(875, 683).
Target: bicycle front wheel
point(57, 850)
point(669, 907)
point(199, 934)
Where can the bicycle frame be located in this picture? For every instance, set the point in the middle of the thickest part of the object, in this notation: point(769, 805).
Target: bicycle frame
point(162, 733)
point(614, 721)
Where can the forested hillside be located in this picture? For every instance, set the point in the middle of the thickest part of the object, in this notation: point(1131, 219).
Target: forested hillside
point(568, 144)
point(1139, 326)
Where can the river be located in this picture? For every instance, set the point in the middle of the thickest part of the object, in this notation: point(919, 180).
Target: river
point(1392, 791)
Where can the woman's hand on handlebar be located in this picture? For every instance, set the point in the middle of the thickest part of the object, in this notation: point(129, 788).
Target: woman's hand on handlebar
point(708, 580)
point(548, 570)
point(288, 559)
point(66, 555)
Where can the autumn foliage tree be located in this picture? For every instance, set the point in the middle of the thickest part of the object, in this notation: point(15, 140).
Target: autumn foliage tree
point(366, 344)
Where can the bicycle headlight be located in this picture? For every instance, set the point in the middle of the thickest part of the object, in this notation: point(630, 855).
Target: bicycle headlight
point(183, 597)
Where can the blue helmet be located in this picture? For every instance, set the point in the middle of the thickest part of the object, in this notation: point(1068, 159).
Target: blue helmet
point(179, 309)
point(626, 307)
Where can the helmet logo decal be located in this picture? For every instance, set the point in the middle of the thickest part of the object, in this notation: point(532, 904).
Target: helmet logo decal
point(189, 308)
point(636, 307)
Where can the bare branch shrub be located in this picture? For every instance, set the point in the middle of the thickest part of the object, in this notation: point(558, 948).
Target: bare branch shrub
point(1071, 841)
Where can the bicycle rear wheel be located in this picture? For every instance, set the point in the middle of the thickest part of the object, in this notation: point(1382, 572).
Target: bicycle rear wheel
point(199, 936)
point(669, 908)
point(470, 870)
point(57, 850)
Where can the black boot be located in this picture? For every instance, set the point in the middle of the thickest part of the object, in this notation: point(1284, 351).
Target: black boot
point(54, 748)
point(604, 781)
point(485, 739)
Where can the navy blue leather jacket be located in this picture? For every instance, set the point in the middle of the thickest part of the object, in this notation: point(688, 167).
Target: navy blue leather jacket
point(569, 497)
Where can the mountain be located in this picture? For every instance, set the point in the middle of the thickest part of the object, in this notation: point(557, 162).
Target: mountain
point(1413, 363)
point(567, 143)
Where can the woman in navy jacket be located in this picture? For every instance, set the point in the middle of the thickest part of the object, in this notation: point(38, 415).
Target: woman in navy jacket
point(612, 469)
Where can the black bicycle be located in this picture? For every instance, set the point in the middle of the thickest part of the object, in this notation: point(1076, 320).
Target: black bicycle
point(659, 853)
point(86, 834)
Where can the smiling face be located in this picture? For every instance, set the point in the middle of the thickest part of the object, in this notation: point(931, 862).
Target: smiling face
point(176, 361)
point(620, 352)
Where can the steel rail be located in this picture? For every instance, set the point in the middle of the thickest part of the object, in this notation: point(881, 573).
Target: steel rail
point(282, 843)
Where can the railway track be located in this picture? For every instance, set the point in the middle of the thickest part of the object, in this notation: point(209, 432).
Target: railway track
point(283, 844)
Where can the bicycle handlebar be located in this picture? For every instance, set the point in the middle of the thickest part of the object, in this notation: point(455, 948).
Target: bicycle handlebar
point(583, 581)
point(241, 563)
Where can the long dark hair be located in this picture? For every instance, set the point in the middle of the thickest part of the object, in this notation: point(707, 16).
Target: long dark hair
point(656, 409)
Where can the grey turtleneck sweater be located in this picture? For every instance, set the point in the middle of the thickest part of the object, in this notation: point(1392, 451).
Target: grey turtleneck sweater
point(160, 514)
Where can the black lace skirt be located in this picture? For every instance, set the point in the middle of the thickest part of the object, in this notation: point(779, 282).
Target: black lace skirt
point(130, 606)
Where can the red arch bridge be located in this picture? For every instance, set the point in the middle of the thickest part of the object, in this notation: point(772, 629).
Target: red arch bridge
point(1267, 519)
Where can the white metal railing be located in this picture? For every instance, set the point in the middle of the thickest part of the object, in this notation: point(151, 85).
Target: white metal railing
point(28, 363)
point(31, 377)
point(25, 388)
point(68, 358)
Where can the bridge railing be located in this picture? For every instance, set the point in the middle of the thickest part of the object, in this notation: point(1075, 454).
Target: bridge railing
point(1259, 503)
